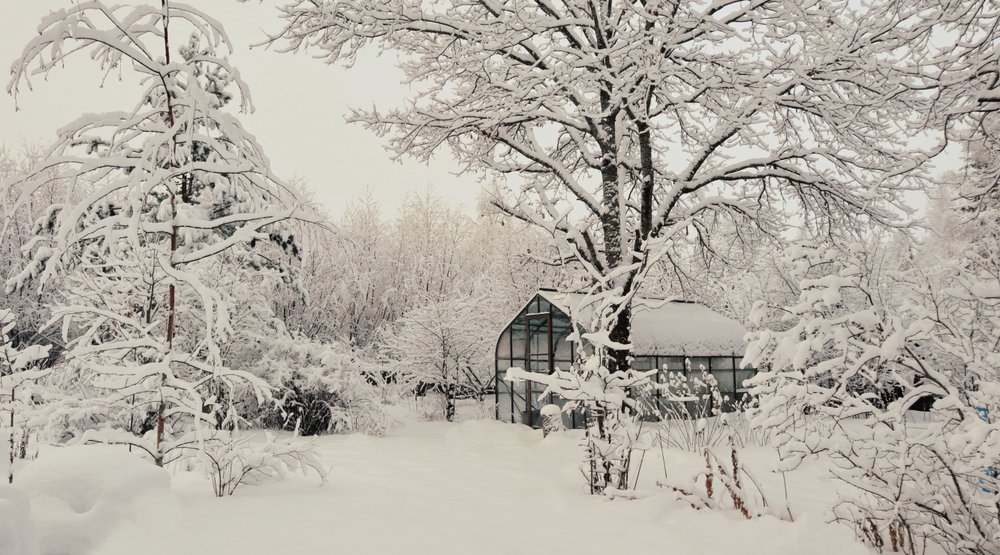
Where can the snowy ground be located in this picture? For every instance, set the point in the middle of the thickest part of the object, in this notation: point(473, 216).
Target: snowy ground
point(473, 487)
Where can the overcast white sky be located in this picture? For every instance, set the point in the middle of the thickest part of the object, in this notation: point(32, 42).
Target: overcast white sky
point(300, 102)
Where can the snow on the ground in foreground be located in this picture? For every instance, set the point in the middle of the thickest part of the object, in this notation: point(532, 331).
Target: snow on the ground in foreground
point(79, 495)
point(436, 488)
point(17, 532)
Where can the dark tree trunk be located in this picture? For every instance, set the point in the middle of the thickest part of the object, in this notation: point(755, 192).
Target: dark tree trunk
point(10, 469)
point(450, 403)
point(621, 332)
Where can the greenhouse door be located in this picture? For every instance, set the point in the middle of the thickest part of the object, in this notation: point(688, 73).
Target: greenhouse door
point(538, 358)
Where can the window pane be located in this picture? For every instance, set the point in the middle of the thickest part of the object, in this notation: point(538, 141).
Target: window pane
point(536, 390)
point(503, 407)
point(644, 363)
point(744, 374)
point(518, 335)
point(563, 348)
point(520, 404)
point(673, 364)
point(503, 388)
point(722, 363)
point(538, 334)
point(727, 384)
point(503, 344)
point(697, 365)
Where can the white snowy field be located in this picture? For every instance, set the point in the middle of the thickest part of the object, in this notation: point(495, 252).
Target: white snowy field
point(430, 487)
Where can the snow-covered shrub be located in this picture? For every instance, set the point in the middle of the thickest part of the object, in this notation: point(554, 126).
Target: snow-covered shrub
point(692, 412)
point(858, 351)
point(743, 432)
point(236, 460)
point(320, 388)
point(431, 406)
point(445, 346)
point(551, 419)
point(724, 484)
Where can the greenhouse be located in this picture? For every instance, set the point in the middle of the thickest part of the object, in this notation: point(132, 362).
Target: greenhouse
point(679, 338)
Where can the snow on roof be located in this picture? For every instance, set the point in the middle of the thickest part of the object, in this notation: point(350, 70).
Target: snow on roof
point(669, 327)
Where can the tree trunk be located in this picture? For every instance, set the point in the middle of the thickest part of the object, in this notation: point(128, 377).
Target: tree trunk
point(10, 469)
point(158, 458)
point(450, 403)
point(172, 302)
point(611, 224)
point(621, 332)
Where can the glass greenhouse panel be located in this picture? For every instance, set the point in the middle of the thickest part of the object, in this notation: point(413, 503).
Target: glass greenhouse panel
point(503, 345)
point(504, 407)
point(644, 363)
point(518, 338)
point(538, 336)
point(697, 365)
point(722, 363)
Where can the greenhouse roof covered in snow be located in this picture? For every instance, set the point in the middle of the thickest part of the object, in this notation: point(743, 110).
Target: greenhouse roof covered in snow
point(667, 327)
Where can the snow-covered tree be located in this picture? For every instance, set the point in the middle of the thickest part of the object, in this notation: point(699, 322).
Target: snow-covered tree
point(19, 374)
point(446, 345)
point(625, 126)
point(847, 364)
point(176, 192)
point(628, 129)
point(16, 231)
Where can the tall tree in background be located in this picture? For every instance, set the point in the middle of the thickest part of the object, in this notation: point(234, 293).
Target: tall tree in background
point(176, 192)
point(447, 345)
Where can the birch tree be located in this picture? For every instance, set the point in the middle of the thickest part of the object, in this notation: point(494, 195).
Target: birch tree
point(176, 189)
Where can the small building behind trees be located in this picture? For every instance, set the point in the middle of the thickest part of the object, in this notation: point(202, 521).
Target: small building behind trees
point(676, 337)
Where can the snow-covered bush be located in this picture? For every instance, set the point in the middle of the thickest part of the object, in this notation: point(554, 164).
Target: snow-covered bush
point(724, 484)
point(855, 355)
point(431, 406)
point(320, 388)
point(236, 460)
point(692, 411)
